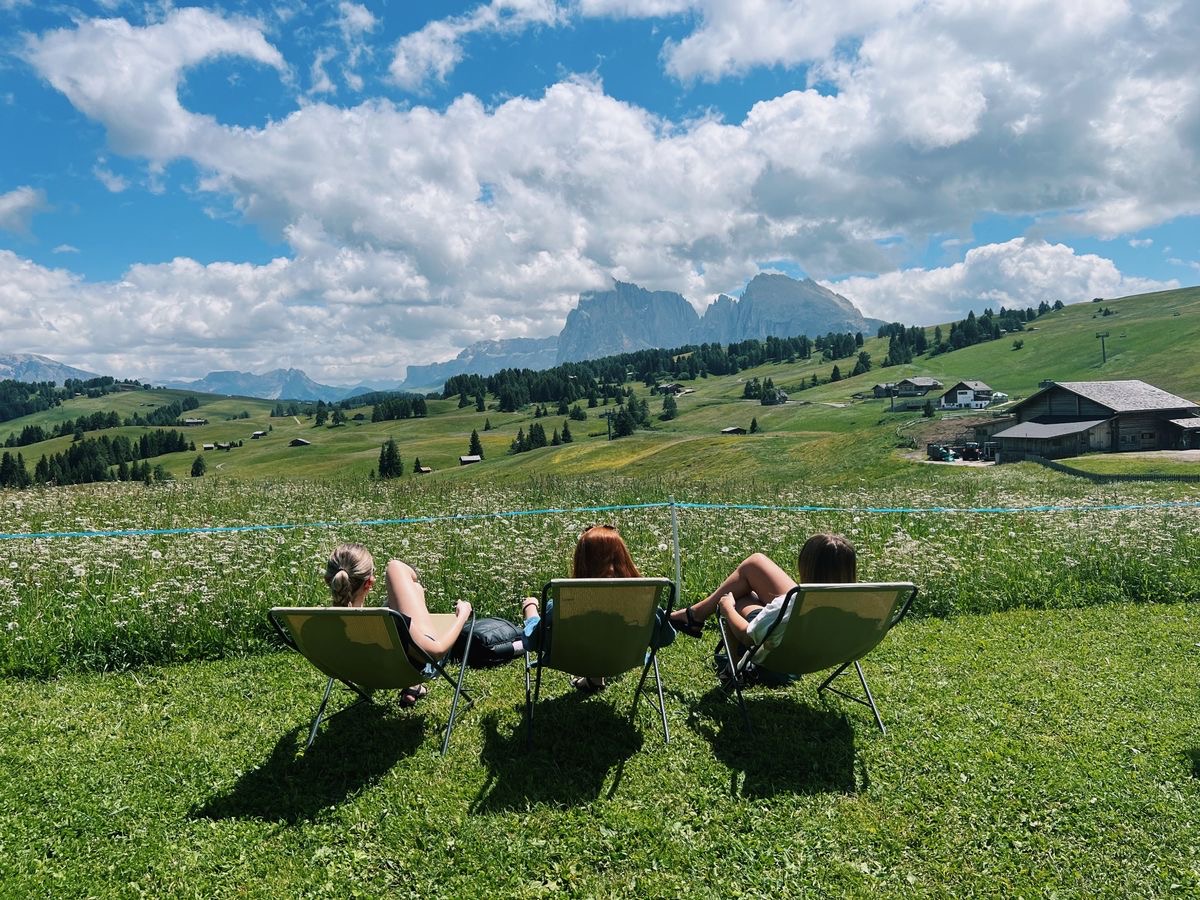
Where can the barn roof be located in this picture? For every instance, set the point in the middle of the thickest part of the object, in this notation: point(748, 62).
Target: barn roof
point(1045, 430)
point(1125, 396)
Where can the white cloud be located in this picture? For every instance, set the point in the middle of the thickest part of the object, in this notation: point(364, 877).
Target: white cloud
point(19, 206)
point(469, 222)
point(321, 83)
point(355, 19)
point(128, 77)
point(65, 248)
point(1141, 242)
point(432, 53)
point(111, 181)
point(1017, 273)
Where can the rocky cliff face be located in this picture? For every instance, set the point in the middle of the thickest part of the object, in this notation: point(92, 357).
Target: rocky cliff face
point(486, 358)
point(778, 306)
point(629, 318)
point(623, 320)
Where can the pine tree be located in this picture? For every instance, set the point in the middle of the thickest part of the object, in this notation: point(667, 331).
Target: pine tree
point(480, 405)
point(670, 408)
point(555, 440)
point(199, 467)
point(836, 374)
point(476, 447)
point(390, 464)
point(487, 424)
point(566, 434)
point(754, 426)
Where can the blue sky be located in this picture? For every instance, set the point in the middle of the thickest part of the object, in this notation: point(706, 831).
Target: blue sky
point(351, 187)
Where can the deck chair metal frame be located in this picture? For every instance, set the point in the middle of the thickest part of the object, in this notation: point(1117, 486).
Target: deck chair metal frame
point(897, 597)
point(389, 639)
point(592, 656)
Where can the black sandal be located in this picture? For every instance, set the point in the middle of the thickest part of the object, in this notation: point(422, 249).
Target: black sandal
point(586, 685)
point(690, 627)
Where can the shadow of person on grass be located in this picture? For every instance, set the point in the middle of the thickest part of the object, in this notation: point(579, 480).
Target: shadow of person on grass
point(577, 743)
point(795, 748)
point(353, 750)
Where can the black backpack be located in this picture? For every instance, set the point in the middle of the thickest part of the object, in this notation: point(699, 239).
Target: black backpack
point(491, 643)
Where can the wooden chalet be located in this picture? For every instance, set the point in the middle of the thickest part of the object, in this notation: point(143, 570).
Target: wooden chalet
point(733, 429)
point(468, 460)
point(967, 395)
point(916, 386)
point(1072, 417)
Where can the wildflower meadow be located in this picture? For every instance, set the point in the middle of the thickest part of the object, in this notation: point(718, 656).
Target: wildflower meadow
point(102, 587)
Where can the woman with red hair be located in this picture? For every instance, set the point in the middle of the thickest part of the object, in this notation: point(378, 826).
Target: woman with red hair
point(599, 553)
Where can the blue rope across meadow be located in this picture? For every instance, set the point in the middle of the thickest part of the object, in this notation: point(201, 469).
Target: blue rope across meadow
point(509, 514)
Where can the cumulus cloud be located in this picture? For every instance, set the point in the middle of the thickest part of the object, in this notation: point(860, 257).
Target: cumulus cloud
point(436, 227)
point(18, 207)
point(1017, 273)
point(128, 77)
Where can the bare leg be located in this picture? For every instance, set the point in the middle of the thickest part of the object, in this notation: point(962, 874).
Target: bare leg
point(757, 575)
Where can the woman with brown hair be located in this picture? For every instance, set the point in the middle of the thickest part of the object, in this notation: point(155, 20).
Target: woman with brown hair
point(751, 597)
point(599, 553)
point(350, 574)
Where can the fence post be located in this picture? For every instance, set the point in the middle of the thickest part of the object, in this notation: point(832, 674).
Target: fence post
point(675, 543)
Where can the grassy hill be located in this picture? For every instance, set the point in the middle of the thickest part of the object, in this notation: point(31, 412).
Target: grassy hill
point(823, 434)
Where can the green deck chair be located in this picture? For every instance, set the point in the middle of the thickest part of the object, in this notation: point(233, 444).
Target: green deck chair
point(829, 625)
point(600, 627)
point(365, 649)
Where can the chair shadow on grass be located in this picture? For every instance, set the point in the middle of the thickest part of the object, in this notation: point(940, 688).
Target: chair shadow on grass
point(795, 748)
point(578, 743)
point(353, 750)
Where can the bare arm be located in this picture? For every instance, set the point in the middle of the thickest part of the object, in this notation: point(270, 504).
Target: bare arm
point(739, 628)
point(437, 647)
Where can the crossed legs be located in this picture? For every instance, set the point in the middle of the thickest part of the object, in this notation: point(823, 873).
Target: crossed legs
point(756, 581)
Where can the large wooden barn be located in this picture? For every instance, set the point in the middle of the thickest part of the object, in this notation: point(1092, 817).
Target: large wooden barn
point(1072, 417)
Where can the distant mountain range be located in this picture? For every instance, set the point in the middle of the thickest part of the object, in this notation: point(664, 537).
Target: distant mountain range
point(629, 318)
point(278, 384)
point(31, 367)
point(621, 320)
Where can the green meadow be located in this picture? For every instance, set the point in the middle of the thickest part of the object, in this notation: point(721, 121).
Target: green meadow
point(1040, 701)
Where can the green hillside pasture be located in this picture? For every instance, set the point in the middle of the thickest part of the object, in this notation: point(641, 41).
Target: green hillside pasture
point(124, 403)
point(833, 434)
point(116, 602)
point(1028, 754)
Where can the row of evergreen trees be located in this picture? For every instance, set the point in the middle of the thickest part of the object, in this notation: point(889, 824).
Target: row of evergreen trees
point(22, 398)
point(592, 380)
point(94, 459)
point(536, 438)
point(168, 414)
point(906, 343)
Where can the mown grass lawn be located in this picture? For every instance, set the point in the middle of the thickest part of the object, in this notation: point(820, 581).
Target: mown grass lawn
point(1047, 753)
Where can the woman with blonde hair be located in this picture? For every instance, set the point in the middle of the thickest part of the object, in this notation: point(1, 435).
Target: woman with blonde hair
point(599, 553)
point(350, 574)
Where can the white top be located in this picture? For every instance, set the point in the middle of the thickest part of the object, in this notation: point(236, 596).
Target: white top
point(758, 627)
